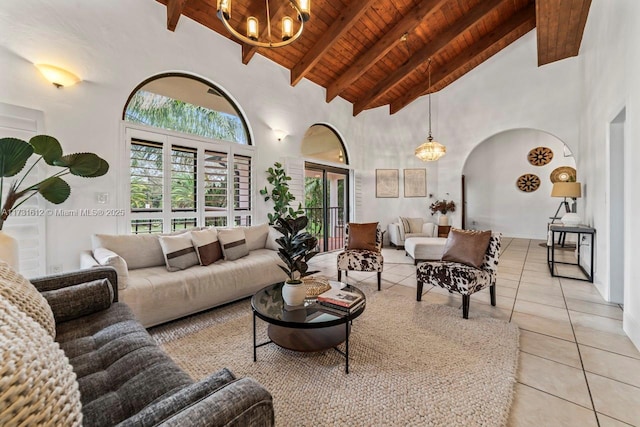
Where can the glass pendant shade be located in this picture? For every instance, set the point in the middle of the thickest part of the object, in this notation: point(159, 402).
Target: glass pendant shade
point(430, 151)
point(252, 28)
point(287, 28)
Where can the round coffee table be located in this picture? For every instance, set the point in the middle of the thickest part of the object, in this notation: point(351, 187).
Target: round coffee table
point(307, 328)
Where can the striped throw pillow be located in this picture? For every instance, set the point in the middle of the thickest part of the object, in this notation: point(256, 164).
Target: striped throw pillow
point(179, 253)
point(234, 244)
point(207, 245)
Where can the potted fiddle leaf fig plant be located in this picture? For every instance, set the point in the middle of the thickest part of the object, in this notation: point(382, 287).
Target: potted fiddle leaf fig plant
point(297, 247)
point(14, 155)
point(280, 194)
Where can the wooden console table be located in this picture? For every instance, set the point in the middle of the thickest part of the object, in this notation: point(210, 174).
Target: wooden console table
point(443, 230)
point(551, 249)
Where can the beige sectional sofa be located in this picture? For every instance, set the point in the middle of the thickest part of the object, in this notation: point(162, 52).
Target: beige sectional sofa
point(157, 295)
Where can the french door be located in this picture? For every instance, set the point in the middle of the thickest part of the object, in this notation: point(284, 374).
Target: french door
point(326, 204)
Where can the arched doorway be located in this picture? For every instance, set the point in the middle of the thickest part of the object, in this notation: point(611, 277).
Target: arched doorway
point(493, 199)
point(326, 185)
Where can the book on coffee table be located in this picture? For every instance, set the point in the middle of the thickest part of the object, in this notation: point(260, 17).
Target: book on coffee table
point(338, 309)
point(340, 298)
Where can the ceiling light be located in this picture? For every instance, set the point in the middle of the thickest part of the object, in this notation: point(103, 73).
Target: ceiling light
point(431, 150)
point(302, 9)
point(58, 76)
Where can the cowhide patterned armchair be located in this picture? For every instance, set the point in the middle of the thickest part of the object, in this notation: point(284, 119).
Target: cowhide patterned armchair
point(361, 259)
point(461, 278)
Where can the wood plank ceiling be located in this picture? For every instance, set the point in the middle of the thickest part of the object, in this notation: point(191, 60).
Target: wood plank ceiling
point(376, 52)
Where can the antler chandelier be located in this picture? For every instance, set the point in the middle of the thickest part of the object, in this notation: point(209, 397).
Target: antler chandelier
point(302, 9)
point(431, 150)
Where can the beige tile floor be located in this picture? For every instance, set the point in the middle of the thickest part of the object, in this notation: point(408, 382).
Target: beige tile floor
point(576, 366)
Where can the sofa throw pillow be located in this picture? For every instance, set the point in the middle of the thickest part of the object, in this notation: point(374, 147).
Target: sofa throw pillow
point(466, 246)
point(138, 250)
point(21, 293)
point(234, 244)
point(271, 239)
point(207, 245)
point(405, 226)
point(109, 258)
point(415, 225)
point(256, 236)
point(80, 300)
point(363, 236)
point(39, 386)
point(179, 253)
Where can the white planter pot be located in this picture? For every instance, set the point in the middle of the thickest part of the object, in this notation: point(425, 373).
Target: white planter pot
point(9, 250)
point(293, 294)
point(443, 220)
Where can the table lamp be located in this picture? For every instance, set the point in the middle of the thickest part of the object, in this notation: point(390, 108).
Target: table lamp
point(567, 190)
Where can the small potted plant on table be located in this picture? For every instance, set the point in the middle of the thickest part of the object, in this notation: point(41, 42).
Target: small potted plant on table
point(297, 247)
point(443, 206)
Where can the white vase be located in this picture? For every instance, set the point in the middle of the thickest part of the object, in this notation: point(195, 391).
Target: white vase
point(443, 220)
point(293, 293)
point(9, 250)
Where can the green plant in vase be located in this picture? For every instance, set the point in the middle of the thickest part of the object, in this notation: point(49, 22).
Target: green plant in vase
point(280, 194)
point(297, 247)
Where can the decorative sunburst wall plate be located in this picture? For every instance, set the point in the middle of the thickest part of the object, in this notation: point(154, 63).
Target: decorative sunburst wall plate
point(528, 182)
point(563, 174)
point(540, 156)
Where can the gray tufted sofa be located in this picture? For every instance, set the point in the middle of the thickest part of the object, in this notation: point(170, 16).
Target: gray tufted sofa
point(124, 378)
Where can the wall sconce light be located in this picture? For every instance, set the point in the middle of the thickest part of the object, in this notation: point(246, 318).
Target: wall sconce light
point(280, 134)
point(58, 76)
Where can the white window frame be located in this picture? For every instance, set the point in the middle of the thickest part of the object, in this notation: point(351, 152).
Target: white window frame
point(168, 139)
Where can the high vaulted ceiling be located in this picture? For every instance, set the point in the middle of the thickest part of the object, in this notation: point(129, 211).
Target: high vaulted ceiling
point(376, 52)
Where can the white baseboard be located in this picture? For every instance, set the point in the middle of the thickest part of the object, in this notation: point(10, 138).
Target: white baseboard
point(631, 327)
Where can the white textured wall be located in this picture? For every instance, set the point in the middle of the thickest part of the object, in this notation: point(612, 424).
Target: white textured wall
point(610, 66)
point(494, 201)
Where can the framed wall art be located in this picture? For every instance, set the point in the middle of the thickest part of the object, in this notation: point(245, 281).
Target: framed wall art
point(387, 183)
point(415, 183)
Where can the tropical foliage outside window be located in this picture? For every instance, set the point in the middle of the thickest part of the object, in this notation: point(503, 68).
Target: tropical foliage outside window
point(160, 111)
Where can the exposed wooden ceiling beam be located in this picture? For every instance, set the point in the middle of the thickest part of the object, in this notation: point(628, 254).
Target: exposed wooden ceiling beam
point(560, 26)
point(174, 10)
point(430, 49)
point(519, 24)
point(258, 10)
point(349, 15)
point(407, 24)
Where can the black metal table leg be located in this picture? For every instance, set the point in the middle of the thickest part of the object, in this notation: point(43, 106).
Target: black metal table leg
point(347, 348)
point(255, 357)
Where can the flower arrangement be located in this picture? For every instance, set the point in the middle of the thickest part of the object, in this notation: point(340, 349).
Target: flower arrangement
point(443, 206)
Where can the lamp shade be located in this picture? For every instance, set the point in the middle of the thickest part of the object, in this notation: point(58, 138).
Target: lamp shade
point(566, 189)
point(58, 76)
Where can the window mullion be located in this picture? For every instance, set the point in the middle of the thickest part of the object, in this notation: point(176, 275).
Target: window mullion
point(166, 193)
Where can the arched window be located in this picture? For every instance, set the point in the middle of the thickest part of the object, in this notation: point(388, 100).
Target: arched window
point(200, 178)
point(186, 104)
point(322, 143)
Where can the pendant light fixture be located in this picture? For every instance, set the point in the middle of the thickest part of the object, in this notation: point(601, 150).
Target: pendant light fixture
point(431, 150)
point(302, 8)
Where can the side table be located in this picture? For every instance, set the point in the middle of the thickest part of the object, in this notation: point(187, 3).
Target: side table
point(443, 230)
point(551, 249)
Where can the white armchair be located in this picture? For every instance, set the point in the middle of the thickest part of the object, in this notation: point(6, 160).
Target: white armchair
point(410, 227)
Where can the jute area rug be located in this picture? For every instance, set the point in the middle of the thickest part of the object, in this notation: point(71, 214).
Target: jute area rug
point(412, 363)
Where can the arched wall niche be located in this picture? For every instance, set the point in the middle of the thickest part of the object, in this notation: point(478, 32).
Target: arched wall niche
point(491, 170)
